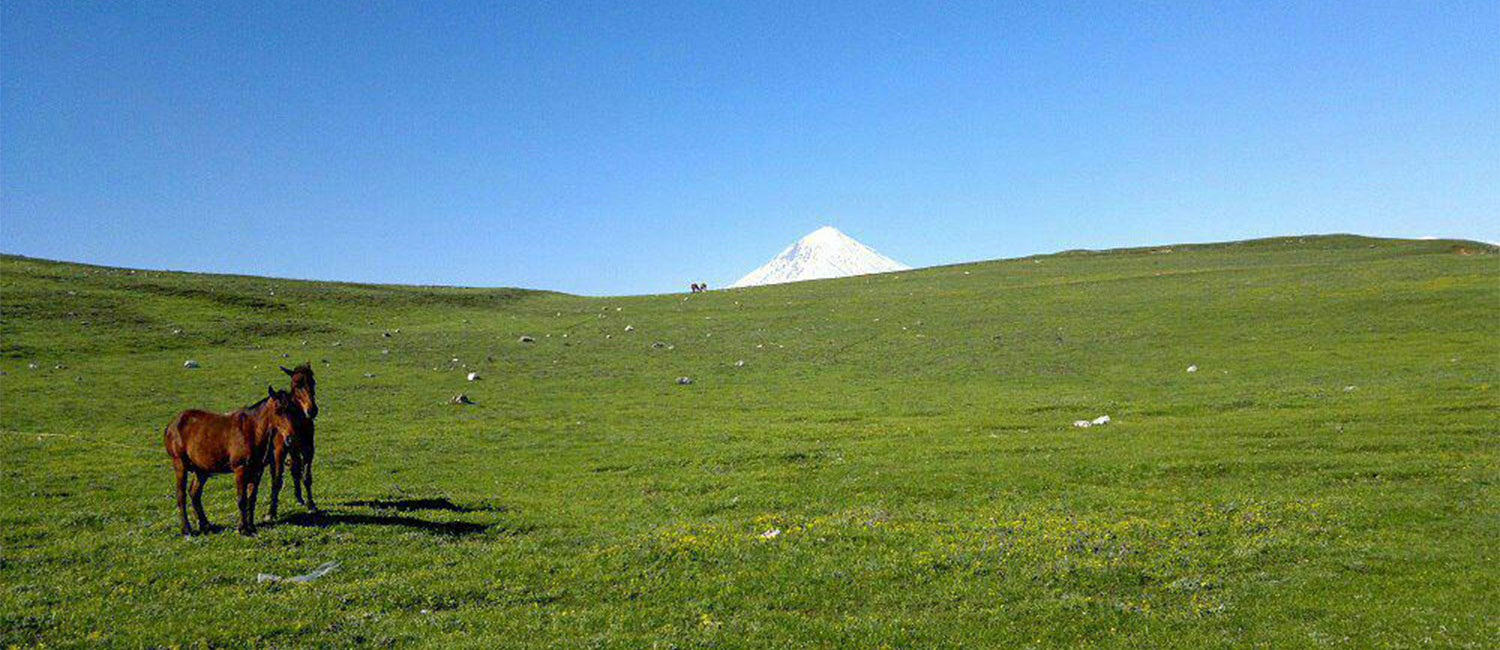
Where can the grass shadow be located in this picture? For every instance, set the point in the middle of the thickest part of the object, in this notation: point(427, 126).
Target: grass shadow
point(408, 505)
point(324, 519)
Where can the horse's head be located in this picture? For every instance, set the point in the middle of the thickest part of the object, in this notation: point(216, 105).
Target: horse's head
point(286, 414)
point(304, 388)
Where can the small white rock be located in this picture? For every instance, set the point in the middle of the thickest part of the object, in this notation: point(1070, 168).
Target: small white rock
point(630, 328)
point(473, 376)
point(1103, 419)
point(1192, 368)
point(771, 534)
point(186, 364)
point(1082, 424)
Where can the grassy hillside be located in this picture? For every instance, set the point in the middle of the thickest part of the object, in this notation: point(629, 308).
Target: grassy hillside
point(1326, 477)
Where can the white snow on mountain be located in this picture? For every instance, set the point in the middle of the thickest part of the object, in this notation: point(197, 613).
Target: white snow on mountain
point(823, 253)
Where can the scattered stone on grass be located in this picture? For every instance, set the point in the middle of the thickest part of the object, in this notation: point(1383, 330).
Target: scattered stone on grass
point(320, 571)
point(473, 376)
point(1082, 424)
point(527, 339)
point(771, 534)
point(740, 363)
point(684, 380)
point(460, 399)
point(630, 328)
point(186, 364)
point(1192, 368)
point(369, 375)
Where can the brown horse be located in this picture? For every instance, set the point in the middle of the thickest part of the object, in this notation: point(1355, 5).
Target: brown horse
point(204, 443)
point(296, 444)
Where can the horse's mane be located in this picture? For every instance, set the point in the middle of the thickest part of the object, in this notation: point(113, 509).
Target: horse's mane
point(254, 407)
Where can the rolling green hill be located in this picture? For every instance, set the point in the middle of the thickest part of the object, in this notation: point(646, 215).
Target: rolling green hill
point(880, 461)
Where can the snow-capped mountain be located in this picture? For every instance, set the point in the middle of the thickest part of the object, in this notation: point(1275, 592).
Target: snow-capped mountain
point(823, 253)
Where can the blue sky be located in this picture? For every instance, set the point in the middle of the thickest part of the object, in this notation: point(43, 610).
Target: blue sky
point(604, 149)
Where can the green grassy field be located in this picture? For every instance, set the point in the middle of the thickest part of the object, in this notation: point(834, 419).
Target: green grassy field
point(1327, 477)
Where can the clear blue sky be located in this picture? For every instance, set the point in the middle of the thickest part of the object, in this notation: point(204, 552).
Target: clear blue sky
point(604, 149)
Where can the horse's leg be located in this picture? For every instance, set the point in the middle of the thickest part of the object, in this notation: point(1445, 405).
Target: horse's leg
point(242, 494)
point(254, 494)
point(277, 465)
point(307, 480)
point(181, 471)
point(199, 478)
point(297, 475)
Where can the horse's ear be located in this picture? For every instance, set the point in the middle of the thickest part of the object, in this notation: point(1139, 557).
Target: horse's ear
point(283, 369)
point(270, 391)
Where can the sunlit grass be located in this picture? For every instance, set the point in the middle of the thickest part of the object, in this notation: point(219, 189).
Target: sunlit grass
point(892, 465)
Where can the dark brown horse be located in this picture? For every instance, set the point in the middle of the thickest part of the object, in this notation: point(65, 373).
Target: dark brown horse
point(296, 445)
point(204, 444)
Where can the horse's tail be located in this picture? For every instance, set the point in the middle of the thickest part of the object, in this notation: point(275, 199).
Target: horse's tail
point(171, 436)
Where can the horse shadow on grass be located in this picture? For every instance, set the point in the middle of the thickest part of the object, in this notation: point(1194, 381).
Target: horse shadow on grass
point(326, 518)
point(408, 505)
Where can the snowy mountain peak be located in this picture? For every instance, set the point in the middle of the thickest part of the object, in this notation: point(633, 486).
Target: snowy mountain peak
point(822, 253)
